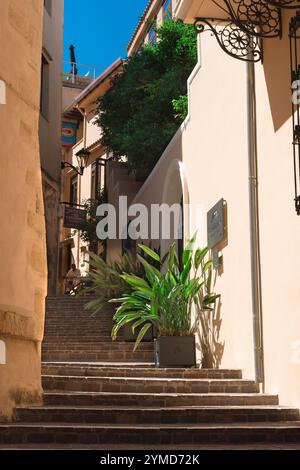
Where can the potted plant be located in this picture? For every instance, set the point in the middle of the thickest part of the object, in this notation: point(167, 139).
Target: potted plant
point(165, 300)
point(105, 282)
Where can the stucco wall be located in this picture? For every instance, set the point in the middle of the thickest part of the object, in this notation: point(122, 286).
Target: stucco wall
point(22, 239)
point(214, 156)
point(280, 226)
point(212, 146)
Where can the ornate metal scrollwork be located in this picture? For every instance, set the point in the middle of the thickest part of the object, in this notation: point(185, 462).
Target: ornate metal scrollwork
point(284, 3)
point(233, 40)
point(257, 17)
point(294, 35)
point(246, 21)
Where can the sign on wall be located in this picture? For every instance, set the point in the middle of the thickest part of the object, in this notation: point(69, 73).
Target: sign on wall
point(74, 217)
point(215, 224)
point(68, 134)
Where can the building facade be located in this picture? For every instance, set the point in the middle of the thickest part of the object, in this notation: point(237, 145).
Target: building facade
point(23, 277)
point(156, 12)
point(102, 178)
point(235, 146)
point(50, 129)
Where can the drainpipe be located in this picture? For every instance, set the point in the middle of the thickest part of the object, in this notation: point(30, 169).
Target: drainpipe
point(254, 228)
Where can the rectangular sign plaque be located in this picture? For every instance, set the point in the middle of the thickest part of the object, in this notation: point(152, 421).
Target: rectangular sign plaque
point(74, 218)
point(215, 224)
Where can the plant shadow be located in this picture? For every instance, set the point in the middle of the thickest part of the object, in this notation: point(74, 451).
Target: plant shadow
point(209, 344)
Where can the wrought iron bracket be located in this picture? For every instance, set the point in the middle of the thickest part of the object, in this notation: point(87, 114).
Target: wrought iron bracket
point(294, 35)
point(245, 24)
point(64, 165)
point(256, 17)
point(232, 39)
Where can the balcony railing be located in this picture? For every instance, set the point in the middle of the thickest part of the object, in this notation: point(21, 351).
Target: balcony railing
point(80, 74)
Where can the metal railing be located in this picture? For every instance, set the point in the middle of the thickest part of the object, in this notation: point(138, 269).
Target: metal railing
point(80, 73)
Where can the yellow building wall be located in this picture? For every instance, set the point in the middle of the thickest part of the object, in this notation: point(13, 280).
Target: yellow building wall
point(23, 274)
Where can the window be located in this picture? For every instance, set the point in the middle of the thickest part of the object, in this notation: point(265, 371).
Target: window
point(74, 190)
point(152, 35)
point(167, 10)
point(96, 179)
point(45, 82)
point(93, 181)
point(48, 6)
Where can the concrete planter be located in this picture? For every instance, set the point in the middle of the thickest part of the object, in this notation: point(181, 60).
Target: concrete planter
point(175, 351)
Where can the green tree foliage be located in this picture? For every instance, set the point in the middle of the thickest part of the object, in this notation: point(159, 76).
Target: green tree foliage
point(143, 109)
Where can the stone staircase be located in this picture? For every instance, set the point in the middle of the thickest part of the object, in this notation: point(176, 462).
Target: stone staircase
point(74, 334)
point(99, 393)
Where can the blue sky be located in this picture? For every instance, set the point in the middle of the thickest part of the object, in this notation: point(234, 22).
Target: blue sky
point(100, 29)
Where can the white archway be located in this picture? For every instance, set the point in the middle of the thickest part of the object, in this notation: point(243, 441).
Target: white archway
point(2, 353)
point(175, 191)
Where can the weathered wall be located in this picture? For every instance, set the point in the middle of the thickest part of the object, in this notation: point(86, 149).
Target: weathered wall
point(50, 132)
point(23, 275)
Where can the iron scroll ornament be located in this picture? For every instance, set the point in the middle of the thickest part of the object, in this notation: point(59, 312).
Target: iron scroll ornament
point(294, 35)
point(232, 39)
point(255, 17)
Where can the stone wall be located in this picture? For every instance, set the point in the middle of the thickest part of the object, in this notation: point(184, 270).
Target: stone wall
point(23, 273)
point(51, 193)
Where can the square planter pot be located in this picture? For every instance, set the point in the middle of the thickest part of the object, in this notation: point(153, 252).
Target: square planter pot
point(175, 351)
point(130, 337)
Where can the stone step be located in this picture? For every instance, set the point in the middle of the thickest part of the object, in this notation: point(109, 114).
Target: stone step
point(157, 399)
point(114, 365)
point(84, 356)
point(141, 415)
point(79, 333)
point(149, 384)
point(74, 318)
point(76, 339)
point(63, 322)
point(129, 370)
point(86, 324)
point(149, 434)
point(97, 346)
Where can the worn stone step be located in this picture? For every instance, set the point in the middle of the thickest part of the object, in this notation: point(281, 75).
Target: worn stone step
point(149, 384)
point(114, 365)
point(157, 399)
point(78, 333)
point(144, 356)
point(83, 329)
point(130, 371)
point(97, 346)
point(149, 434)
point(141, 415)
point(65, 322)
point(76, 326)
point(49, 339)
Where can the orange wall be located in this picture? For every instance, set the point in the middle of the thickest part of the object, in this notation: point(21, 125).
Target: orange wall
point(23, 275)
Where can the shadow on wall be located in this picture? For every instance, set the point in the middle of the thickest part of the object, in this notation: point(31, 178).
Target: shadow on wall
point(210, 346)
point(277, 70)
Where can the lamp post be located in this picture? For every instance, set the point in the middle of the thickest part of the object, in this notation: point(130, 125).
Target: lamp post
point(82, 159)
